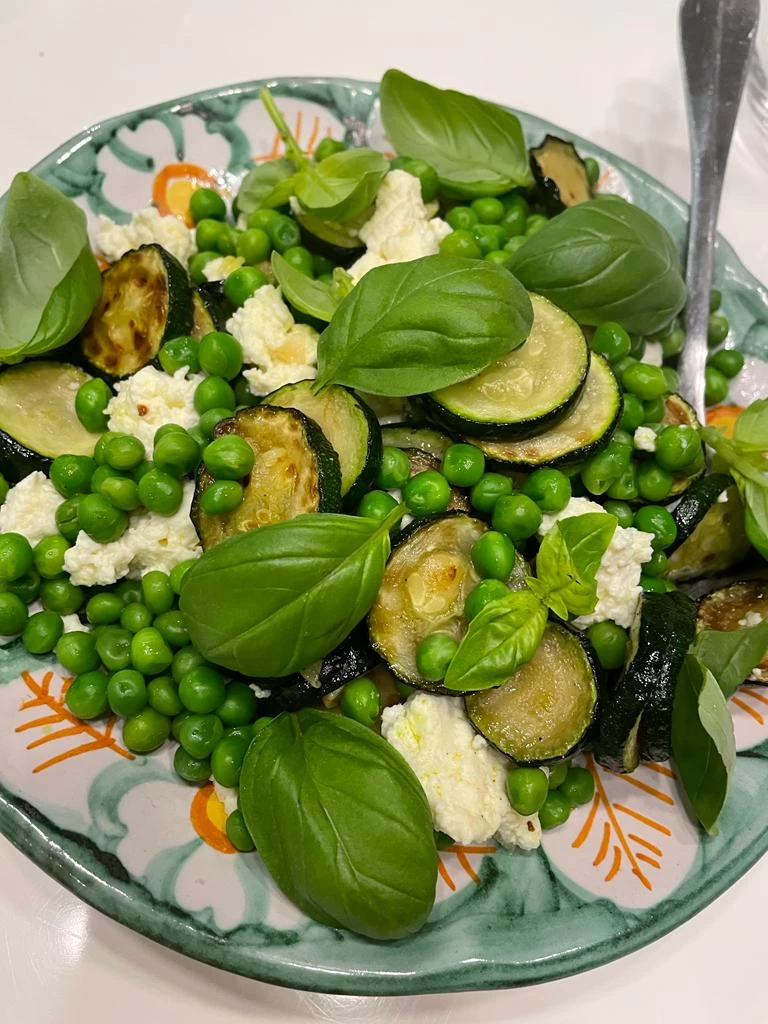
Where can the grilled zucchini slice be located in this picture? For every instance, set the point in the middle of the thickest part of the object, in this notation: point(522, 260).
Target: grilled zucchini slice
point(543, 712)
point(587, 426)
point(415, 437)
point(296, 470)
point(210, 310)
point(37, 417)
point(339, 242)
point(146, 299)
point(560, 173)
point(349, 425)
point(524, 392)
point(733, 607)
point(636, 720)
point(718, 540)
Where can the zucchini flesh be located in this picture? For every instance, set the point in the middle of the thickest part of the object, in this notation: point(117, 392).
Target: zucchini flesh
point(210, 310)
point(696, 502)
point(526, 390)
point(586, 427)
point(295, 471)
point(146, 299)
point(37, 417)
point(717, 542)
point(339, 242)
point(636, 721)
point(425, 585)
point(416, 438)
point(349, 425)
point(733, 607)
point(544, 711)
point(560, 173)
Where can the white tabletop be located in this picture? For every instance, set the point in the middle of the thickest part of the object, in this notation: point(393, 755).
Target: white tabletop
point(609, 71)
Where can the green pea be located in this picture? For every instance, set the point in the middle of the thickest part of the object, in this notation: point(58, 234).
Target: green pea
point(481, 595)
point(71, 474)
point(260, 724)
point(86, 697)
point(557, 773)
point(727, 361)
point(27, 587)
point(16, 556)
point(327, 147)
point(299, 258)
point(262, 219)
point(656, 520)
point(645, 381)
point(515, 219)
point(715, 387)
point(104, 609)
point(156, 591)
point(501, 257)
point(592, 168)
point(621, 510)
point(489, 237)
point(160, 492)
point(487, 491)
point(376, 505)
point(717, 329)
point(284, 233)
point(76, 652)
point(361, 700)
point(202, 690)
point(121, 492)
point(625, 488)
point(527, 789)
point(214, 236)
point(129, 591)
point(239, 705)
point(146, 731)
point(611, 340)
point(221, 497)
point(633, 414)
point(427, 175)
point(100, 519)
point(398, 163)
point(114, 647)
point(240, 285)
point(184, 661)
point(461, 218)
point(254, 246)
point(461, 243)
point(123, 452)
point(191, 769)
point(243, 394)
point(549, 488)
point(605, 468)
point(135, 616)
point(214, 393)
point(61, 595)
point(637, 346)
point(206, 203)
point(489, 210)
point(150, 654)
point(197, 265)
point(100, 448)
point(163, 696)
point(199, 734)
point(555, 810)
point(535, 223)
point(657, 565)
point(578, 787)
point(653, 482)
point(672, 344)
point(653, 584)
point(210, 419)
point(91, 401)
point(227, 760)
point(229, 457)
point(4, 488)
point(672, 378)
point(427, 493)
point(493, 555)
point(180, 352)
point(179, 571)
point(517, 516)
point(463, 465)
point(394, 470)
point(176, 454)
point(676, 447)
point(237, 832)
point(434, 654)
point(170, 626)
point(609, 642)
point(42, 632)
point(13, 614)
point(127, 692)
point(654, 410)
point(48, 556)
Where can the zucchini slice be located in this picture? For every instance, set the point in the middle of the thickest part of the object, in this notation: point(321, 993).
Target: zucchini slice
point(732, 607)
point(295, 471)
point(586, 427)
point(339, 242)
point(636, 720)
point(146, 299)
point(560, 173)
point(525, 391)
point(349, 425)
point(718, 541)
point(210, 310)
point(696, 502)
point(544, 711)
point(37, 417)
point(426, 582)
point(416, 438)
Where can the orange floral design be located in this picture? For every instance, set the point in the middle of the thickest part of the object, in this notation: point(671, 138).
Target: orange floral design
point(97, 737)
point(463, 853)
point(174, 184)
point(277, 142)
point(208, 818)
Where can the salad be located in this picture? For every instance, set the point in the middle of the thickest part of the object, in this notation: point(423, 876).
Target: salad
point(371, 490)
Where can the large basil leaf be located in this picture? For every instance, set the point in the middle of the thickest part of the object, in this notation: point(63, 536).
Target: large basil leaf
point(341, 823)
point(755, 513)
point(730, 655)
point(605, 260)
point(501, 638)
point(412, 327)
point(476, 148)
point(703, 743)
point(267, 185)
point(304, 293)
point(568, 560)
point(750, 431)
point(49, 279)
point(272, 601)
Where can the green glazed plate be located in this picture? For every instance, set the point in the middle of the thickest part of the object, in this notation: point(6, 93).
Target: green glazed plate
point(133, 841)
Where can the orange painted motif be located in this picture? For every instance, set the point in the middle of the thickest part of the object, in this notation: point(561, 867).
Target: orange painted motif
point(97, 737)
point(208, 818)
point(724, 416)
point(173, 186)
point(463, 853)
point(277, 143)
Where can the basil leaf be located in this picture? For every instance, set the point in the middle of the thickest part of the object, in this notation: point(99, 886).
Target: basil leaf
point(267, 186)
point(747, 462)
point(342, 185)
point(750, 431)
point(476, 147)
point(755, 500)
point(304, 293)
point(407, 328)
point(341, 823)
point(501, 638)
point(605, 260)
point(568, 560)
point(272, 601)
point(730, 655)
point(49, 279)
point(342, 285)
point(703, 743)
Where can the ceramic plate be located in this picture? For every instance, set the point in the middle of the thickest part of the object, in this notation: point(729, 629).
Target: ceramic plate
point(132, 840)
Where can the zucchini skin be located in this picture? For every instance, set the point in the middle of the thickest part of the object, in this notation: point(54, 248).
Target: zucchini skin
point(342, 254)
point(17, 461)
point(415, 437)
point(213, 306)
point(372, 455)
point(548, 186)
point(697, 500)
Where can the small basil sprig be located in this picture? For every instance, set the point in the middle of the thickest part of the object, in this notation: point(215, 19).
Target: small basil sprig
point(413, 327)
point(476, 147)
point(501, 638)
point(272, 601)
point(342, 824)
point(316, 298)
point(337, 188)
point(703, 744)
point(267, 185)
point(730, 655)
point(568, 560)
point(49, 278)
point(605, 260)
